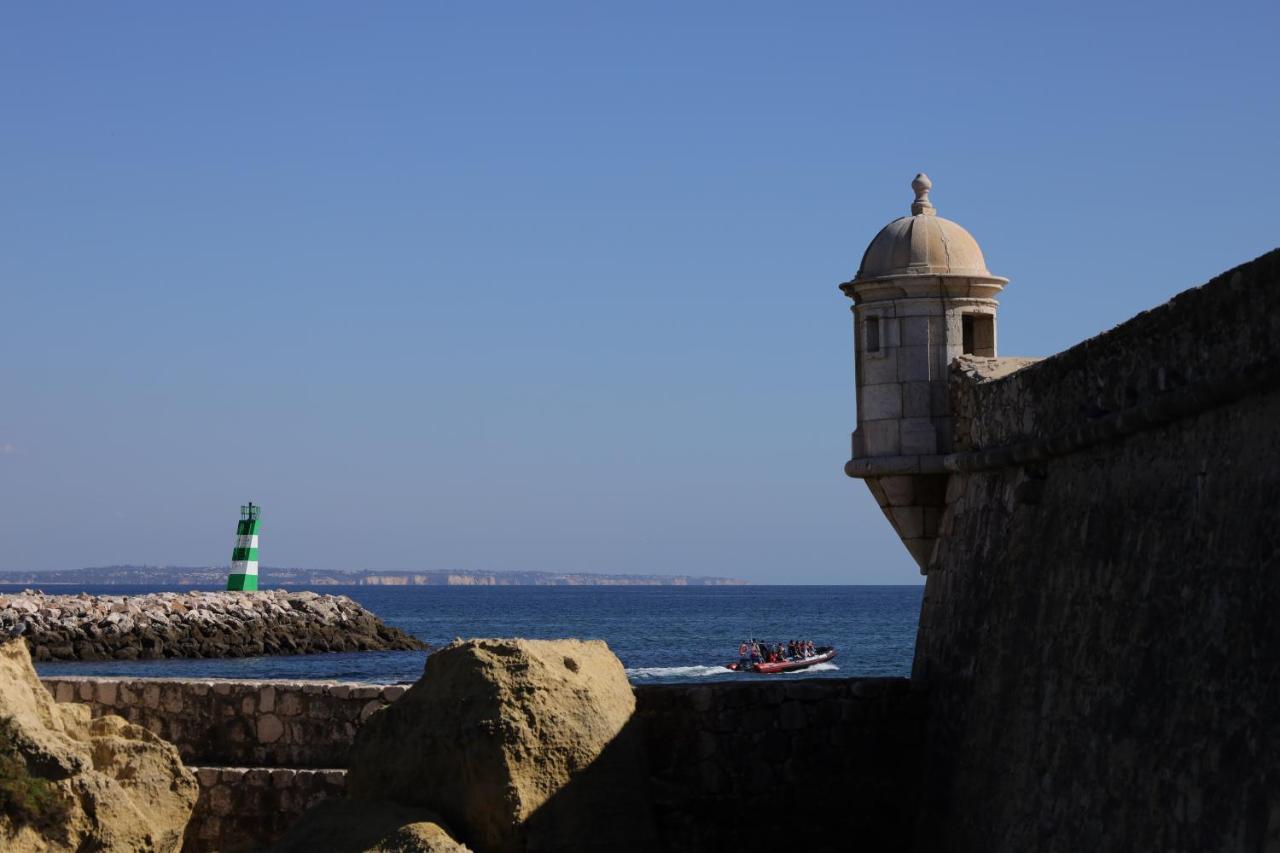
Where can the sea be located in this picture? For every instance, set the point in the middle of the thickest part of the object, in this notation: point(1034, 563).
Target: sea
point(662, 634)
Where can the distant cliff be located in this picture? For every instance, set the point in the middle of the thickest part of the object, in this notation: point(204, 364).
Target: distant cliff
point(217, 575)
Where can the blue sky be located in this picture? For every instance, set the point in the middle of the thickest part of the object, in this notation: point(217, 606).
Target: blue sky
point(553, 286)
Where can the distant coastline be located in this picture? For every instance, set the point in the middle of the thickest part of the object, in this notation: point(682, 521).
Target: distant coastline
point(217, 575)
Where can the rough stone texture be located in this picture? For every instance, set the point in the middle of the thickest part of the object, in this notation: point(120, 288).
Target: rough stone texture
point(349, 826)
point(247, 808)
point(125, 789)
point(194, 625)
point(806, 765)
point(1099, 637)
point(521, 745)
point(248, 723)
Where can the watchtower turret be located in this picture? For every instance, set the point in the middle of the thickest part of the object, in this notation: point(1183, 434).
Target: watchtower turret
point(921, 297)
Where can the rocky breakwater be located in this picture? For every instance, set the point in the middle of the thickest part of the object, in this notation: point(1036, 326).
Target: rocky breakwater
point(194, 625)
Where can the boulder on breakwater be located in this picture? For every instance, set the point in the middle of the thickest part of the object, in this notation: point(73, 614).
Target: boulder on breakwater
point(194, 624)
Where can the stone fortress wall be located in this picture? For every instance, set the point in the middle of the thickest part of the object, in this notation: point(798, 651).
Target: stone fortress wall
point(1099, 637)
point(718, 756)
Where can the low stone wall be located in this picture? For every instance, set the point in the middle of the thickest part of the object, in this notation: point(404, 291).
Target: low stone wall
point(238, 723)
point(811, 765)
point(726, 762)
point(246, 808)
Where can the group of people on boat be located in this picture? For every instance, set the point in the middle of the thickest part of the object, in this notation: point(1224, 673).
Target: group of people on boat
point(751, 651)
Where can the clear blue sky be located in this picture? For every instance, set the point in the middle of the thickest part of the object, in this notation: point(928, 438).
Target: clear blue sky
point(553, 286)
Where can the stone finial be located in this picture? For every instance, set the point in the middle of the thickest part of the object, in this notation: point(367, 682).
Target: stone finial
point(922, 205)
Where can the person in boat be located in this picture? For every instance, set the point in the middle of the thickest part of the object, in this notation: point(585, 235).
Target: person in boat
point(755, 652)
point(808, 649)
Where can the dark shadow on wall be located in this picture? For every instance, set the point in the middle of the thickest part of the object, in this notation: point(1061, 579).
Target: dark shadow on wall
point(821, 765)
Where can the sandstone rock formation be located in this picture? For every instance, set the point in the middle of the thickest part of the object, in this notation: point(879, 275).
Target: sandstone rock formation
point(110, 784)
point(521, 745)
point(194, 625)
point(346, 826)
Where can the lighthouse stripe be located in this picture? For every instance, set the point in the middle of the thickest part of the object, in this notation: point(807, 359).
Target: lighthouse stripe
point(244, 557)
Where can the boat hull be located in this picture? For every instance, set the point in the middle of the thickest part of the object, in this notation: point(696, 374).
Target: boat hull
point(783, 666)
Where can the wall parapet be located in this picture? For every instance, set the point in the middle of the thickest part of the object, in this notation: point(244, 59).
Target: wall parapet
point(1207, 346)
point(227, 723)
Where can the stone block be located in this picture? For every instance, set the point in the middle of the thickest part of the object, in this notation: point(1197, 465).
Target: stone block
point(914, 364)
point(151, 695)
point(917, 398)
point(206, 776)
point(900, 491)
point(880, 438)
point(270, 728)
point(222, 688)
point(919, 437)
point(340, 691)
point(85, 690)
point(915, 331)
point(908, 521)
point(107, 692)
point(290, 704)
point(370, 708)
point(880, 402)
point(919, 307)
point(366, 692)
point(267, 699)
point(874, 369)
point(939, 403)
point(220, 802)
point(65, 691)
point(393, 692)
point(258, 777)
point(171, 695)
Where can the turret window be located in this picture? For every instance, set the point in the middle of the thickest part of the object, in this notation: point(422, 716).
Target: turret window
point(978, 335)
point(871, 334)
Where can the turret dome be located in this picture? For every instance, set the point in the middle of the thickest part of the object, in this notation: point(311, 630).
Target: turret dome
point(923, 244)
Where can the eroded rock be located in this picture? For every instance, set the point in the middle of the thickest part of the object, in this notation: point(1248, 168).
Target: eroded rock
point(520, 745)
point(103, 784)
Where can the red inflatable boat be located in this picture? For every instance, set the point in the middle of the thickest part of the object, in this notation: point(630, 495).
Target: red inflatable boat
point(824, 654)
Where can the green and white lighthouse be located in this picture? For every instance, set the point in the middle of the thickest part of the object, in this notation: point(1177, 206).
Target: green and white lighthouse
point(244, 557)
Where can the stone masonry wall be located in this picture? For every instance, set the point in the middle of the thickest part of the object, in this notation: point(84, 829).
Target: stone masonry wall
point(843, 753)
point(804, 765)
point(1099, 640)
point(238, 723)
point(246, 808)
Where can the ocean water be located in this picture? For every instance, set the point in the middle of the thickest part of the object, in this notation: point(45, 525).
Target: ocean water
point(661, 634)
